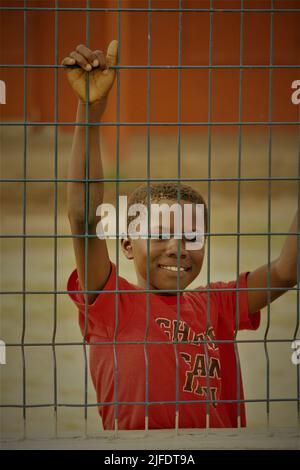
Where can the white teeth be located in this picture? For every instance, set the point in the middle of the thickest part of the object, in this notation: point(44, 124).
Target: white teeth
point(172, 268)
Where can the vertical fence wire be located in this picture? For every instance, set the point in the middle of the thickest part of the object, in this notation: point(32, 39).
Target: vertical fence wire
point(179, 109)
point(209, 197)
point(118, 117)
point(149, 61)
point(87, 225)
point(270, 137)
point(298, 285)
point(24, 210)
point(55, 217)
point(238, 215)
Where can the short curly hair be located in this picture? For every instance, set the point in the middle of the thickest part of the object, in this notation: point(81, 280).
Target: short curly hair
point(169, 191)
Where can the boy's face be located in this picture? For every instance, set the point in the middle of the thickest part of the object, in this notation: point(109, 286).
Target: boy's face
point(163, 257)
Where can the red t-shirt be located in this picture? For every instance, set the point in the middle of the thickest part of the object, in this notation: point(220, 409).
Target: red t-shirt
point(158, 372)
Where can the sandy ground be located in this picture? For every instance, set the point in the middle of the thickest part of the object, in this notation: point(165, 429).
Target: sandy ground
point(39, 371)
point(188, 439)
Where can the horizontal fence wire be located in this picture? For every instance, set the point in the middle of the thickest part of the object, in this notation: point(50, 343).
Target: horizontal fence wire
point(120, 236)
point(145, 124)
point(202, 341)
point(153, 10)
point(139, 291)
point(155, 67)
point(166, 402)
point(135, 180)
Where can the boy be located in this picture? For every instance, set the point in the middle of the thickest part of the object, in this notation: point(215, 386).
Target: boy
point(153, 355)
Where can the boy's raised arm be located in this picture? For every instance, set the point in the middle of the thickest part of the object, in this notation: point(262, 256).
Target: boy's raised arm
point(101, 79)
point(283, 273)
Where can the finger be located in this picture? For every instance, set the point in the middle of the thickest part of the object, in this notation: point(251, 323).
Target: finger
point(81, 61)
point(112, 53)
point(68, 61)
point(99, 56)
point(87, 54)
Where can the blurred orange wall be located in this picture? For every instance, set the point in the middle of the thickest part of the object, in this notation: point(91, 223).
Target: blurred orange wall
point(164, 51)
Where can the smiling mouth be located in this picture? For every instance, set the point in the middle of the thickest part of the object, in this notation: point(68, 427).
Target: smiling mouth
point(173, 269)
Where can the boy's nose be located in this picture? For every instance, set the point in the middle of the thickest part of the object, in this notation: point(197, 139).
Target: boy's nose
point(172, 248)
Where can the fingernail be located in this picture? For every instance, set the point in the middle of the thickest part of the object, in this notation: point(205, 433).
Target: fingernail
point(88, 67)
point(96, 63)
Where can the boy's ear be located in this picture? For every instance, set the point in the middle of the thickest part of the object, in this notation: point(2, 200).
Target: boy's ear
point(126, 245)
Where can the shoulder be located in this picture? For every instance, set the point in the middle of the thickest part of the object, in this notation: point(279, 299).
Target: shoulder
point(231, 300)
point(111, 283)
point(114, 284)
point(223, 296)
point(223, 288)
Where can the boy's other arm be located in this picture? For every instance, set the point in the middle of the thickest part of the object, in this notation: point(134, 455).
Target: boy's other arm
point(283, 273)
point(98, 258)
point(101, 81)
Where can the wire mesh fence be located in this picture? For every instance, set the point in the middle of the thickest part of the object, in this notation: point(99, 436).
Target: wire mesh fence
point(24, 299)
